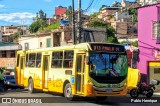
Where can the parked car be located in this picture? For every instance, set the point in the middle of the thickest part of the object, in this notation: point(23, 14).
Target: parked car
point(10, 82)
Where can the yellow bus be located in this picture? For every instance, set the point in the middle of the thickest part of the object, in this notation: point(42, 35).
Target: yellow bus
point(86, 69)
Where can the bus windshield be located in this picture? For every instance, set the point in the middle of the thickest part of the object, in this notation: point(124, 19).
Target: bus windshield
point(108, 65)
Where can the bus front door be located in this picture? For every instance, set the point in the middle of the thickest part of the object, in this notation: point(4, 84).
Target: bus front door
point(80, 73)
point(45, 71)
point(21, 68)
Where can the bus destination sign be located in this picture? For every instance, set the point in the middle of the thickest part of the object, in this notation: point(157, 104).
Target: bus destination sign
point(107, 47)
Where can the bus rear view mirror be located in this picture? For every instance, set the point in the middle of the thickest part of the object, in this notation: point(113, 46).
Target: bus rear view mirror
point(87, 60)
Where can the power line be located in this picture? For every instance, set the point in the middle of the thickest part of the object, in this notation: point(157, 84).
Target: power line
point(96, 4)
point(90, 4)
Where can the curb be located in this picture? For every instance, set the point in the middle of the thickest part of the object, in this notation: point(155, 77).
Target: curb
point(158, 93)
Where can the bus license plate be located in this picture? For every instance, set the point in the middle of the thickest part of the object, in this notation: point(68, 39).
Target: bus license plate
point(109, 90)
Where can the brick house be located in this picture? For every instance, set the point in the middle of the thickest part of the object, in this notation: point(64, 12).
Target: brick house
point(60, 10)
point(7, 55)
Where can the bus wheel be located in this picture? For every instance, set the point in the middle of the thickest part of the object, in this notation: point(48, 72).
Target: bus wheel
point(31, 86)
point(68, 92)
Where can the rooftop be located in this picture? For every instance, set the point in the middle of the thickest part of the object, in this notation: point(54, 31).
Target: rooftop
point(9, 46)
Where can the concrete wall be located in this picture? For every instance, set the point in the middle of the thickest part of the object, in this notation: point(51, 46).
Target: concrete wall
point(120, 27)
point(34, 42)
point(146, 44)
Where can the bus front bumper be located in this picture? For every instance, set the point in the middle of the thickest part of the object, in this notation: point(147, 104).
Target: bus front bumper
point(94, 91)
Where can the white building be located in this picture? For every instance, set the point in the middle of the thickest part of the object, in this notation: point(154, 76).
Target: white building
point(123, 16)
point(125, 3)
point(147, 2)
point(45, 39)
point(0, 36)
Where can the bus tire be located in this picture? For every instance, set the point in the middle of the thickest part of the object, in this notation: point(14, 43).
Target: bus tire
point(31, 86)
point(68, 92)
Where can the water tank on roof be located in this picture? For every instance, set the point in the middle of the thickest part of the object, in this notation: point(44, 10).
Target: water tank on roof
point(64, 22)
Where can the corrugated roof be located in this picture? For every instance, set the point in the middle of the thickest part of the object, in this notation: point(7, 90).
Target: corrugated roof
point(7, 44)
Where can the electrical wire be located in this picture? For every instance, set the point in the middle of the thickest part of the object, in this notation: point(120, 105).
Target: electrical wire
point(89, 6)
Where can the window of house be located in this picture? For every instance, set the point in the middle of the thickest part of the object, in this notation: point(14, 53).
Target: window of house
point(156, 70)
point(4, 54)
point(12, 54)
point(57, 58)
point(68, 59)
point(26, 45)
point(49, 42)
point(156, 30)
point(38, 60)
point(40, 44)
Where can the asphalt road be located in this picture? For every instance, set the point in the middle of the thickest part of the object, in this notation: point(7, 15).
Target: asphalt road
point(22, 96)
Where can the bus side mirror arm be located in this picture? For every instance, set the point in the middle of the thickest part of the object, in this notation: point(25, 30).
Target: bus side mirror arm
point(87, 60)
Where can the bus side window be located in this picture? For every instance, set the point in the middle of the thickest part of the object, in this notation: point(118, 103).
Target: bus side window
point(68, 59)
point(57, 60)
point(32, 60)
point(70, 64)
point(32, 64)
point(38, 60)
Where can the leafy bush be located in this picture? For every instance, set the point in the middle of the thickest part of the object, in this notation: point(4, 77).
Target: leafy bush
point(97, 24)
point(52, 26)
point(135, 43)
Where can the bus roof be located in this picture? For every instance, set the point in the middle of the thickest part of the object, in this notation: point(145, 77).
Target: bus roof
point(84, 46)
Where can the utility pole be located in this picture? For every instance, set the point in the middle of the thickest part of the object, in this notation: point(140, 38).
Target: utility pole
point(79, 22)
point(73, 23)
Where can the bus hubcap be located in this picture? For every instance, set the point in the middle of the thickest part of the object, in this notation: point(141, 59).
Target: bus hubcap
point(68, 92)
point(30, 87)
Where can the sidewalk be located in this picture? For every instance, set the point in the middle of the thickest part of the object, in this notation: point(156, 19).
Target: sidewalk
point(157, 93)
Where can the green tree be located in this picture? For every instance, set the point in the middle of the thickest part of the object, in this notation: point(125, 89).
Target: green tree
point(16, 35)
point(39, 22)
point(94, 15)
point(103, 6)
point(41, 15)
point(133, 11)
point(69, 13)
point(34, 27)
point(135, 43)
point(97, 24)
point(54, 25)
point(111, 35)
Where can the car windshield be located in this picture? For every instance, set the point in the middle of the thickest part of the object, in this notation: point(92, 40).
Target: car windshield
point(108, 64)
point(9, 77)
